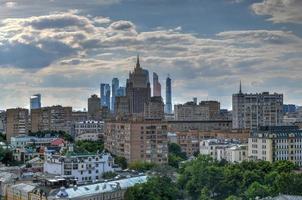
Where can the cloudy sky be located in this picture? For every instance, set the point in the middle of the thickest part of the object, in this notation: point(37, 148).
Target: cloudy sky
point(64, 49)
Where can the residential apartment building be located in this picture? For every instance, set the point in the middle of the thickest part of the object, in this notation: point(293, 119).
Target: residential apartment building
point(55, 118)
point(205, 125)
point(189, 141)
point(89, 130)
point(154, 108)
point(138, 140)
point(253, 110)
point(273, 143)
point(17, 122)
point(190, 111)
point(84, 167)
point(94, 107)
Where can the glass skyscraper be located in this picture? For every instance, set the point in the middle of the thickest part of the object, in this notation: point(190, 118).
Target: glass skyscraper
point(168, 106)
point(35, 101)
point(105, 95)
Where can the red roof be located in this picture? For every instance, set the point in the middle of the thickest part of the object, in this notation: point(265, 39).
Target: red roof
point(58, 142)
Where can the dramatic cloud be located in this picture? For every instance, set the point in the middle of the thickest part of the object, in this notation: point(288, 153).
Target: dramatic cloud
point(66, 55)
point(281, 11)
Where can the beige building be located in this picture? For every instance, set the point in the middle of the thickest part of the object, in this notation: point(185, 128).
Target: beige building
point(141, 140)
point(17, 122)
point(121, 106)
point(190, 111)
point(94, 106)
point(276, 143)
point(206, 125)
point(19, 191)
point(154, 108)
point(56, 118)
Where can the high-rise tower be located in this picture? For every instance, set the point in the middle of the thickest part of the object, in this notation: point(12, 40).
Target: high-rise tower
point(138, 89)
point(168, 106)
point(35, 101)
point(105, 95)
point(114, 90)
point(156, 86)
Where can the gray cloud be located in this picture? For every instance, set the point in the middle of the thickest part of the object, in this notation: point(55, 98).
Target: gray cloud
point(280, 11)
point(71, 53)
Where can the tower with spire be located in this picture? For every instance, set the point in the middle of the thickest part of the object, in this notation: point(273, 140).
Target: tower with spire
point(138, 88)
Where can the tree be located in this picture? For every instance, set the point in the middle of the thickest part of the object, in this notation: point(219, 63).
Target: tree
point(257, 190)
point(109, 175)
point(205, 194)
point(156, 188)
point(175, 155)
point(120, 161)
point(141, 166)
point(90, 146)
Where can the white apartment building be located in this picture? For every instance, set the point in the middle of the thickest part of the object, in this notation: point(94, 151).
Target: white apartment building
point(21, 141)
point(210, 147)
point(89, 130)
point(253, 110)
point(276, 143)
point(84, 167)
point(237, 153)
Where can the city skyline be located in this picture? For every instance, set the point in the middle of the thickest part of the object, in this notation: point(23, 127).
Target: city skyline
point(206, 52)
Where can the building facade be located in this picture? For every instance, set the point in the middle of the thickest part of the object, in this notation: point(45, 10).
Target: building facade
point(17, 122)
point(190, 111)
point(54, 118)
point(273, 143)
point(254, 110)
point(94, 107)
point(154, 108)
point(84, 167)
point(141, 140)
point(89, 130)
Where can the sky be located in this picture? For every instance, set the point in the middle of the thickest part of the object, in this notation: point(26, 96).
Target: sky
point(64, 49)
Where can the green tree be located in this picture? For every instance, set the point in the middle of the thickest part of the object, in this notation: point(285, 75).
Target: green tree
point(175, 155)
point(156, 188)
point(205, 194)
point(141, 166)
point(90, 146)
point(257, 190)
point(109, 175)
point(120, 161)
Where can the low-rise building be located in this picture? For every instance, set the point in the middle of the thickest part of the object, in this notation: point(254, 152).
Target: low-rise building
point(273, 143)
point(111, 190)
point(24, 140)
point(19, 191)
point(84, 167)
point(237, 153)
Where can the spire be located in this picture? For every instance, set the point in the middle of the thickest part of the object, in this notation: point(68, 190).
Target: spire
point(240, 91)
point(137, 62)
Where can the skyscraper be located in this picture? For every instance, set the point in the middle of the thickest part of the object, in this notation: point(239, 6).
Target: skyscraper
point(168, 105)
point(35, 101)
point(253, 110)
point(156, 86)
point(114, 88)
point(121, 91)
point(138, 89)
point(105, 95)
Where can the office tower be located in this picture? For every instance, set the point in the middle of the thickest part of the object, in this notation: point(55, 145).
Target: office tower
point(35, 101)
point(114, 88)
point(274, 143)
point(168, 96)
point(156, 86)
point(17, 122)
point(121, 91)
point(190, 111)
point(253, 110)
point(138, 89)
point(154, 109)
point(105, 95)
point(54, 118)
point(138, 140)
point(94, 107)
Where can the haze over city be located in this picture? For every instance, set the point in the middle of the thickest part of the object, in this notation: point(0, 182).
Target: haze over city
point(65, 49)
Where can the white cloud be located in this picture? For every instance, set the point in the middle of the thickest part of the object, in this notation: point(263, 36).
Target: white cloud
point(69, 55)
point(280, 11)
